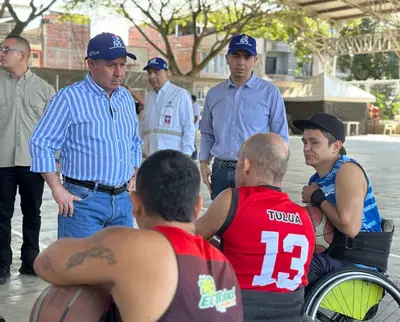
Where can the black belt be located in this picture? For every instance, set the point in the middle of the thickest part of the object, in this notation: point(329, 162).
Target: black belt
point(100, 187)
point(226, 163)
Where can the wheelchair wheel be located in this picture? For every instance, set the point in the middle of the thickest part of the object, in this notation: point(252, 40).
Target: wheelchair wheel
point(353, 295)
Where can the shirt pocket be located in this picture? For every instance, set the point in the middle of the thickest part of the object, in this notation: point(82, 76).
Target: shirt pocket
point(255, 116)
point(34, 106)
point(169, 117)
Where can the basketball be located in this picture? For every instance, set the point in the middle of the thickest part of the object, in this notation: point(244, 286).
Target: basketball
point(70, 304)
point(324, 230)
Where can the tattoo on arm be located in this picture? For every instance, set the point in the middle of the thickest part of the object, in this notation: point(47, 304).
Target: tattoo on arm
point(48, 264)
point(100, 252)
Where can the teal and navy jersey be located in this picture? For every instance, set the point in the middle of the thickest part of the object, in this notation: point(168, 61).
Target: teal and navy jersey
point(371, 220)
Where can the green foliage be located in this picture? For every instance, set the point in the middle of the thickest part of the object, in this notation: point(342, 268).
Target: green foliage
point(74, 18)
point(364, 66)
point(387, 99)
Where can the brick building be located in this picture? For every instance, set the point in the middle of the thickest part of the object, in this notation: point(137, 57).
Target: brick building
point(59, 42)
point(276, 59)
point(64, 40)
point(181, 46)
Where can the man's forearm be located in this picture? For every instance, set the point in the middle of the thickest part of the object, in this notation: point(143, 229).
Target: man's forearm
point(332, 214)
point(52, 179)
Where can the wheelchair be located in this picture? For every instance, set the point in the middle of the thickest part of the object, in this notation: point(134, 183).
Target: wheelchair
point(354, 294)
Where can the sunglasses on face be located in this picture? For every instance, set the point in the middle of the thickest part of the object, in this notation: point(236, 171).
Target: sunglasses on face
point(6, 49)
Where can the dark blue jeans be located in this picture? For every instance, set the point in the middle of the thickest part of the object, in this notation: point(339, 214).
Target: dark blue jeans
point(221, 178)
point(94, 212)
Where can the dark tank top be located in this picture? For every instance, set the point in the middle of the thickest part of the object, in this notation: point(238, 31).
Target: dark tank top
point(207, 291)
point(207, 287)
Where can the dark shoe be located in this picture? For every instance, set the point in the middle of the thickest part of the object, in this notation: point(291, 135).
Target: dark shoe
point(4, 274)
point(24, 270)
point(2, 319)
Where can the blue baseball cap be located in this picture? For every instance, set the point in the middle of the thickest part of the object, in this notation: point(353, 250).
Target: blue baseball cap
point(243, 42)
point(157, 63)
point(107, 46)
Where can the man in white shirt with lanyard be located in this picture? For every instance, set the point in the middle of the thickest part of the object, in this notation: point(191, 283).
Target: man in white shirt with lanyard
point(166, 121)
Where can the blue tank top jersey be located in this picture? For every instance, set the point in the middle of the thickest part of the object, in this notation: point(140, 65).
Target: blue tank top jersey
point(371, 220)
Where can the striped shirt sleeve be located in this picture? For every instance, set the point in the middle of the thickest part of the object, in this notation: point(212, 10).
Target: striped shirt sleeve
point(49, 134)
point(137, 146)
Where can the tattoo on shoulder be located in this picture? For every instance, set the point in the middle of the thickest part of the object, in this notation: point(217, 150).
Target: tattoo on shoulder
point(100, 252)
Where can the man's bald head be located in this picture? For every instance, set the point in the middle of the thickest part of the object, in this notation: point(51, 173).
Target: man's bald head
point(268, 154)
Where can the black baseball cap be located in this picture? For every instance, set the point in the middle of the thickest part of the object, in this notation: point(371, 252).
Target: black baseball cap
point(323, 121)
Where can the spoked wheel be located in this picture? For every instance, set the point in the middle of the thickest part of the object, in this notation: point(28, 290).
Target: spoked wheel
point(353, 295)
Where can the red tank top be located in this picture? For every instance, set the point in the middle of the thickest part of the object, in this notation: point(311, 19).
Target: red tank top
point(207, 289)
point(270, 240)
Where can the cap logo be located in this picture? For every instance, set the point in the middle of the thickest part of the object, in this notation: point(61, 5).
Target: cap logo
point(244, 40)
point(165, 66)
point(117, 43)
point(93, 53)
point(153, 61)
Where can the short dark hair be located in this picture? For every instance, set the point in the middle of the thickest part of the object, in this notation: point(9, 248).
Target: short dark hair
point(194, 98)
point(23, 42)
point(331, 138)
point(168, 182)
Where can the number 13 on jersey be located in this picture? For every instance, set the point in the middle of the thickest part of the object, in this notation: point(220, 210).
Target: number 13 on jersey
point(283, 281)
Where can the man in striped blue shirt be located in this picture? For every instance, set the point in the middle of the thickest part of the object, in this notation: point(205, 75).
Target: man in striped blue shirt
point(94, 125)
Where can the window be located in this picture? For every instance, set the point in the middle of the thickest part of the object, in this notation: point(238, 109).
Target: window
point(217, 65)
point(200, 92)
point(270, 65)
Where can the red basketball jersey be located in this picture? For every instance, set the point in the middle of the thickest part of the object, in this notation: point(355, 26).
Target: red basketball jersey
point(208, 289)
point(269, 241)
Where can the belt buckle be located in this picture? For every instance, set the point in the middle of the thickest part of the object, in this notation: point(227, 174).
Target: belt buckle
point(117, 190)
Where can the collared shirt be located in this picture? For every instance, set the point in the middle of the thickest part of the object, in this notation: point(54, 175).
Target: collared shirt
point(97, 134)
point(22, 103)
point(232, 114)
point(167, 120)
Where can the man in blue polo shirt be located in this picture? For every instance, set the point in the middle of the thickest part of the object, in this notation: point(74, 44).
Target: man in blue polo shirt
point(94, 124)
point(234, 110)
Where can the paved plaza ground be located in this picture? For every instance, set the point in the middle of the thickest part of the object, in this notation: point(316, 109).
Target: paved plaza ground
point(379, 155)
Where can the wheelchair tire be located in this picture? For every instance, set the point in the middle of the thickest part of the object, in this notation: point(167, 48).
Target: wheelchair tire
point(318, 291)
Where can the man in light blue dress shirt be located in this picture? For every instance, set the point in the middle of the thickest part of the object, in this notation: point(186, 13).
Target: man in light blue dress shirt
point(94, 125)
point(233, 111)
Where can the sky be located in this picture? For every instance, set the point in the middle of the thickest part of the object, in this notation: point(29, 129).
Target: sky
point(100, 21)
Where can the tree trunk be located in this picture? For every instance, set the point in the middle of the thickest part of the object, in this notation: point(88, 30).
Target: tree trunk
point(19, 28)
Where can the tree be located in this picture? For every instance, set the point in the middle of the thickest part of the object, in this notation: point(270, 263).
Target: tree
point(374, 65)
point(19, 24)
point(303, 33)
point(220, 23)
point(218, 20)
